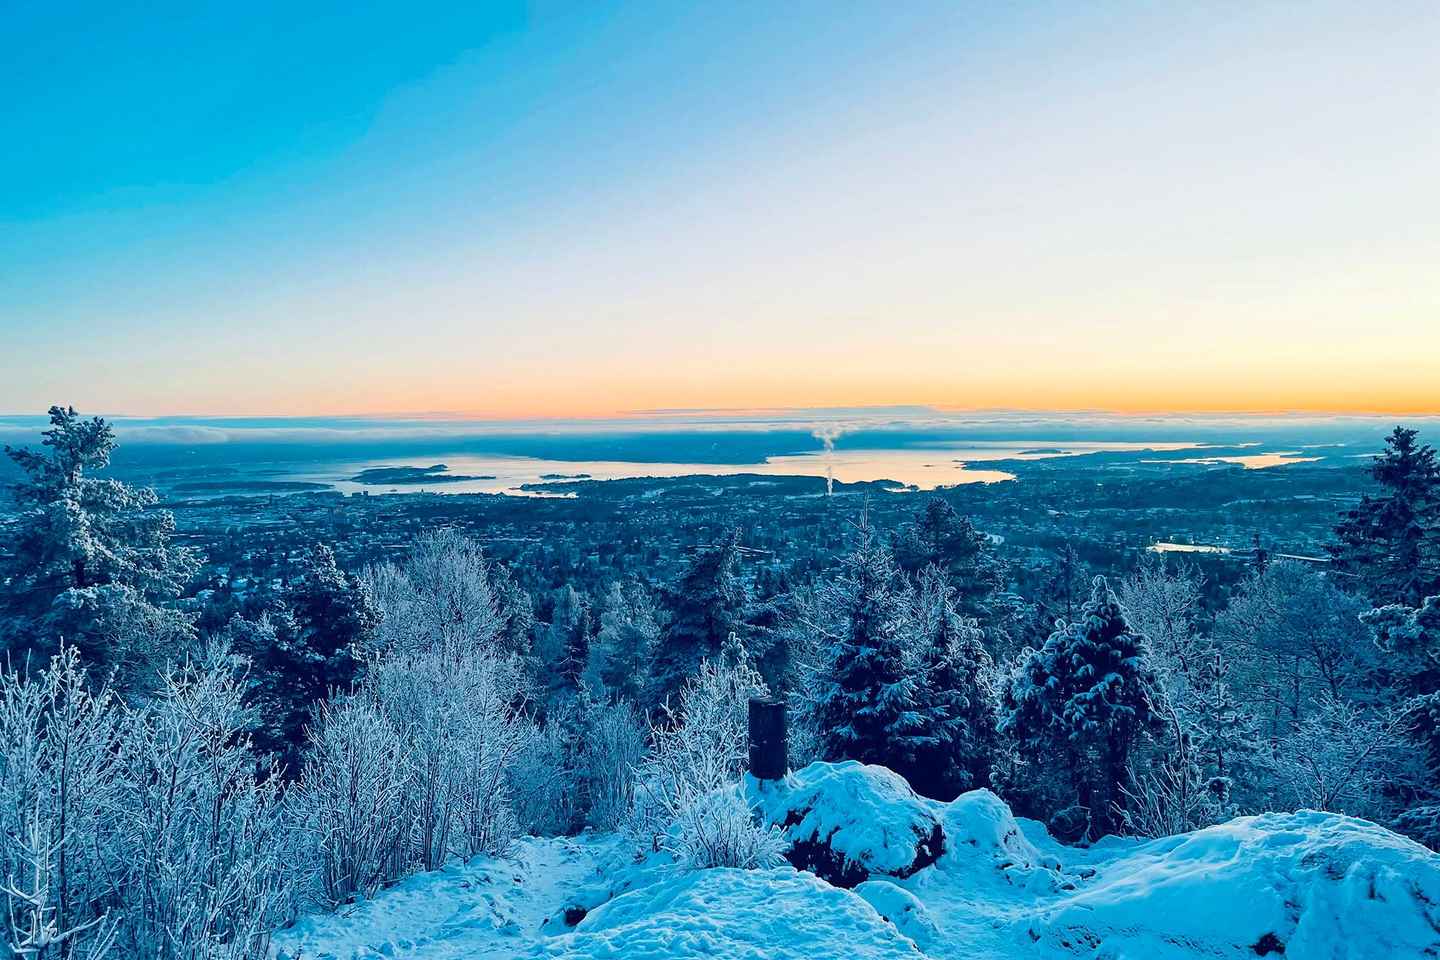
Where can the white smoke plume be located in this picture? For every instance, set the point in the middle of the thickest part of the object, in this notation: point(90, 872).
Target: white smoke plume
point(827, 434)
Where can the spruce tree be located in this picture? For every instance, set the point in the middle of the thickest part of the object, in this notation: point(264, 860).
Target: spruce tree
point(703, 608)
point(312, 644)
point(942, 537)
point(1063, 588)
point(576, 647)
point(626, 640)
point(957, 697)
point(1410, 640)
point(1391, 541)
point(90, 560)
point(562, 649)
point(1224, 733)
point(1086, 697)
point(868, 707)
point(517, 612)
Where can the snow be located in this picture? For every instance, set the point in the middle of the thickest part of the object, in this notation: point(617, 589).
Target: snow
point(1320, 886)
point(776, 914)
point(486, 908)
point(866, 814)
point(901, 908)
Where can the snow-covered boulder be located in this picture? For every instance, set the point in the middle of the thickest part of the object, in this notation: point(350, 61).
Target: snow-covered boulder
point(846, 822)
point(1307, 885)
point(735, 914)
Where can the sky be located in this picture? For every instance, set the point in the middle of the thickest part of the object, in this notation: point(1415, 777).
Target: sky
point(585, 209)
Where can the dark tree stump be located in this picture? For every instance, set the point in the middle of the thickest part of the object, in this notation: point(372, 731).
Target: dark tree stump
point(769, 758)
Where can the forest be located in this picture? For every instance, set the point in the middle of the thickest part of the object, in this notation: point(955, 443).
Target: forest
point(183, 773)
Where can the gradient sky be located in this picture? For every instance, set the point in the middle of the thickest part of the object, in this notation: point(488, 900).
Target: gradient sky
point(574, 209)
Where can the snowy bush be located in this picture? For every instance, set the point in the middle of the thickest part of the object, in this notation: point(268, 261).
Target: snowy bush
point(350, 801)
point(455, 715)
point(1343, 759)
point(1174, 798)
point(152, 831)
point(615, 745)
point(441, 598)
point(697, 748)
point(544, 798)
point(721, 830)
point(203, 836)
point(58, 780)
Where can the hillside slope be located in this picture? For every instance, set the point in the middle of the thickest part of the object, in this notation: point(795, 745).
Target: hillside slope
point(1304, 885)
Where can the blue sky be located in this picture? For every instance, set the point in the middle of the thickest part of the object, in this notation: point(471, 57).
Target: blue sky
point(580, 209)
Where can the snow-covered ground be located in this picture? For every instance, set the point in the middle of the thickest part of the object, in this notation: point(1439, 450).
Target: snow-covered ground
point(1305, 885)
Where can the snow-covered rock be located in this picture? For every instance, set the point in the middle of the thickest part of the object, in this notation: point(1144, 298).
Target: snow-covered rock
point(1312, 885)
point(846, 822)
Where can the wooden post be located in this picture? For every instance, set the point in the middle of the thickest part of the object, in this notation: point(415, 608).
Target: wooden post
point(768, 755)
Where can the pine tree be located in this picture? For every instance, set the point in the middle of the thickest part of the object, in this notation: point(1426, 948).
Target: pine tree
point(1410, 640)
point(517, 612)
point(90, 560)
point(623, 647)
point(868, 693)
point(314, 643)
point(957, 697)
point(942, 537)
point(704, 608)
point(1392, 541)
point(1086, 697)
point(577, 647)
point(564, 647)
point(1259, 556)
point(1063, 588)
point(1225, 736)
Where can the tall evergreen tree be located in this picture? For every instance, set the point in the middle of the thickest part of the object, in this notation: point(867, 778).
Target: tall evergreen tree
point(1410, 640)
point(868, 694)
point(1064, 586)
point(90, 560)
point(942, 537)
point(1391, 541)
point(957, 696)
point(577, 646)
point(703, 608)
point(313, 644)
point(1224, 733)
point(562, 641)
point(623, 647)
point(517, 611)
point(1086, 697)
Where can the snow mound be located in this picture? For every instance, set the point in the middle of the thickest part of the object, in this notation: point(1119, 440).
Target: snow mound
point(901, 908)
point(736, 914)
point(980, 831)
point(848, 821)
point(1306, 885)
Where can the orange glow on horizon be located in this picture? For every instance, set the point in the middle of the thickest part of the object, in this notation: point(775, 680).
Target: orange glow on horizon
point(599, 402)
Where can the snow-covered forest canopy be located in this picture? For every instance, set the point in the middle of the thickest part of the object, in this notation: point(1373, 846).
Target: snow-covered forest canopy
point(980, 766)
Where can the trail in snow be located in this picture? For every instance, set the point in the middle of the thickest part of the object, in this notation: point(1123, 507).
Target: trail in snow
point(486, 908)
